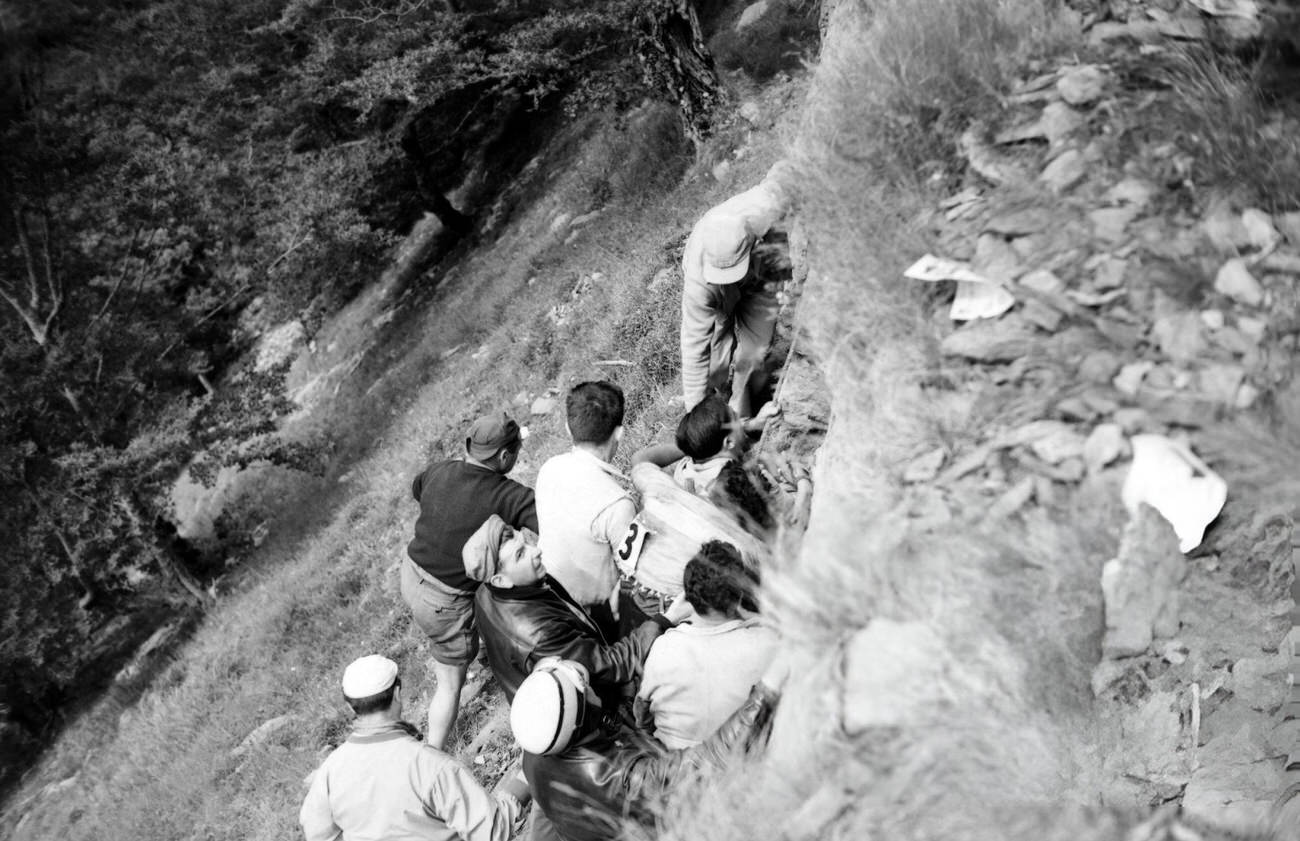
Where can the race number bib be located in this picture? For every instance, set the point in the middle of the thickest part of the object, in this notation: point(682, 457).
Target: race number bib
point(629, 548)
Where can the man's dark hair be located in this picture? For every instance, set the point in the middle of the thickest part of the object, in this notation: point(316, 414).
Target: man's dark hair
point(373, 703)
point(736, 492)
point(594, 410)
point(717, 581)
point(703, 430)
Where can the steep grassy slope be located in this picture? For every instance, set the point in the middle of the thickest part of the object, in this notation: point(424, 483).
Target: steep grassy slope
point(947, 619)
point(578, 285)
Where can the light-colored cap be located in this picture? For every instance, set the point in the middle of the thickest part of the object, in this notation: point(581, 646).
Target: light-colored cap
point(549, 706)
point(725, 244)
point(368, 676)
point(481, 554)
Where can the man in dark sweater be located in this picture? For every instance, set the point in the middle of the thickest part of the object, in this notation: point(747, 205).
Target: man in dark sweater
point(456, 497)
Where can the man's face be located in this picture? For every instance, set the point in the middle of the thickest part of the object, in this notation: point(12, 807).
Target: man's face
point(519, 561)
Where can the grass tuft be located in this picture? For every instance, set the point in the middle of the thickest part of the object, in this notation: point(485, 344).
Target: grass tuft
point(1238, 137)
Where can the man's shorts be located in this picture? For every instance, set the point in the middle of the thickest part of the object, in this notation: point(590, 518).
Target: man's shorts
point(444, 613)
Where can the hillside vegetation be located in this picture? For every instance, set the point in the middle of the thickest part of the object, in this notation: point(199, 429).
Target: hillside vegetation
point(191, 189)
point(959, 674)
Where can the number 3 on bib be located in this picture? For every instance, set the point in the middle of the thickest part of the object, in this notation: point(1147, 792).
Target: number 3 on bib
point(629, 548)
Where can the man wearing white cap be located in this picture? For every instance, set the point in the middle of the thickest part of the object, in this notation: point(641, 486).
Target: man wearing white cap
point(588, 774)
point(728, 314)
point(384, 782)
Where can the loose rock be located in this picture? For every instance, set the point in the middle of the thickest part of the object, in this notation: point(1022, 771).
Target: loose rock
point(1179, 336)
point(1104, 445)
point(991, 340)
point(1099, 366)
point(1013, 500)
point(1288, 224)
point(1220, 382)
point(1043, 281)
point(1081, 85)
point(1129, 379)
point(542, 406)
point(1064, 171)
point(1046, 317)
point(924, 468)
point(1109, 273)
point(1140, 585)
point(1260, 233)
point(1110, 224)
point(1059, 445)
point(1134, 191)
point(1236, 281)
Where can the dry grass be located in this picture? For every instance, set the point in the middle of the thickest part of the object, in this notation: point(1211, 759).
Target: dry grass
point(1238, 140)
point(1002, 620)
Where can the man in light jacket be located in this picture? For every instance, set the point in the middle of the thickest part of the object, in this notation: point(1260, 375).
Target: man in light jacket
point(728, 313)
point(385, 782)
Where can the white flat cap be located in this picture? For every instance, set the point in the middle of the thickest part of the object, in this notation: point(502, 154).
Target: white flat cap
point(368, 676)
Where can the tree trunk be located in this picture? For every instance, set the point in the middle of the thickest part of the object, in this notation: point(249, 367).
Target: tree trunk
point(162, 534)
point(674, 56)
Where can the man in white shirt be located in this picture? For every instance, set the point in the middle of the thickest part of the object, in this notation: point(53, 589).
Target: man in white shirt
point(583, 510)
point(700, 672)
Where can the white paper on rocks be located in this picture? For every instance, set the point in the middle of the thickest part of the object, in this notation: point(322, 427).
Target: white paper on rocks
point(977, 296)
point(1170, 478)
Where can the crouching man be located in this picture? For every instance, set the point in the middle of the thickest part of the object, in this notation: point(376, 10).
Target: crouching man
point(385, 782)
point(587, 777)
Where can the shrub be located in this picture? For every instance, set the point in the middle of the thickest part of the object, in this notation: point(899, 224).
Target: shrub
point(1220, 114)
point(921, 72)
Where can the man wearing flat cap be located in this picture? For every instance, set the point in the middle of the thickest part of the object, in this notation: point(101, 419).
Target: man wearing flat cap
point(728, 312)
point(526, 615)
point(383, 782)
point(456, 497)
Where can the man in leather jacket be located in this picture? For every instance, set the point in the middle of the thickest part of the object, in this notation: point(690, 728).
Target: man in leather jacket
point(607, 775)
point(525, 615)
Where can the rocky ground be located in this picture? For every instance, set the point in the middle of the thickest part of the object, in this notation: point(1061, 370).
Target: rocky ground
point(1139, 305)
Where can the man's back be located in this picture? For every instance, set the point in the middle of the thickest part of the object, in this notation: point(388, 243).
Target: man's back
point(383, 783)
point(455, 498)
point(696, 676)
point(581, 508)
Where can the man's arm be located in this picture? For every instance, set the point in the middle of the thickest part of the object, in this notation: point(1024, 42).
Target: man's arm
point(660, 455)
point(522, 504)
point(316, 817)
point(611, 526)
point(456, 798)
point(616, 663)
point(645, 774)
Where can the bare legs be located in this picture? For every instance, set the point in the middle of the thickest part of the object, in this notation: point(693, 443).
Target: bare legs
point(445, 702)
